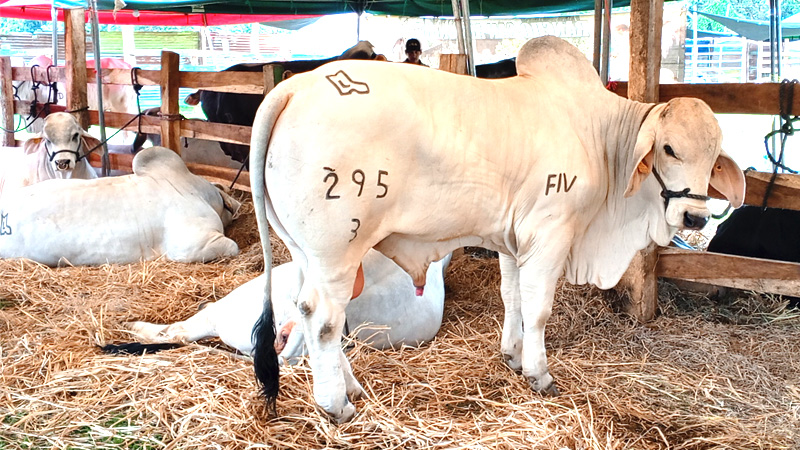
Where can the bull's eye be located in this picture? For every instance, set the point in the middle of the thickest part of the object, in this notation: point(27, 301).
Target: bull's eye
point(668, 150)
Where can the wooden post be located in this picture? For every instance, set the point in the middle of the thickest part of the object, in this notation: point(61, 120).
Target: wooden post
point(645, 43)
point(273, 73)
point(640, 281)
point(170, 108)
point(453, 62)
point(640, 284)
point(6, 102)
point(75, 68)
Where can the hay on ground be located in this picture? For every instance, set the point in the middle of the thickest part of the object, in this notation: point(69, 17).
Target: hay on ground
point(705, 374)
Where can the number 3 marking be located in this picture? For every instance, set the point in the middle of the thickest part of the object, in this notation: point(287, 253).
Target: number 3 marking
point(355, 230)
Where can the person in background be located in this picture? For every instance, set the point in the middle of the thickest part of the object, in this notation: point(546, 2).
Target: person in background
point(413, 51)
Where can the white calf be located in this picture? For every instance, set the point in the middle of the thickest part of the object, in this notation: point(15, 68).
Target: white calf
point(59, 151)
point(388, 303)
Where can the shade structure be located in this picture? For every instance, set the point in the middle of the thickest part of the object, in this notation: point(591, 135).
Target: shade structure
point(207, 9)
point(41, 10)
point(757, 30)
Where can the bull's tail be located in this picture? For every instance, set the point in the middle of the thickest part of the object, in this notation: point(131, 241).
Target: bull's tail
point(265, 358)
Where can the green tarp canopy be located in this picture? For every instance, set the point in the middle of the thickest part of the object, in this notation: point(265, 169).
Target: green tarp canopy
point(390, 7)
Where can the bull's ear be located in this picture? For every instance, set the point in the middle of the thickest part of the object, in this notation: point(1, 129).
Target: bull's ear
point(89, 142)
point(643, 153)
point(728, 179)
point(32, 145)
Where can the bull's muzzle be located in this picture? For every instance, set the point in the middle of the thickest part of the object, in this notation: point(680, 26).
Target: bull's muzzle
point(694, 222)
point(63, 164)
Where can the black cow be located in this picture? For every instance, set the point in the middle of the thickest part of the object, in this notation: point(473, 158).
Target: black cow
point(752, 231)
point(240, 109)
point(501, 69)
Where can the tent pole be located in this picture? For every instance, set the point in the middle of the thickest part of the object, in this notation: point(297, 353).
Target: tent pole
point(605, 57)
point(358, 26)
point(99, 81)
point(459, 28)
point(468, 37)
point(598, 34)
point(54, 18)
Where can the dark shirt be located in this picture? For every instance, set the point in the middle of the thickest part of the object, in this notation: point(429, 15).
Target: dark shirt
point(418, 63)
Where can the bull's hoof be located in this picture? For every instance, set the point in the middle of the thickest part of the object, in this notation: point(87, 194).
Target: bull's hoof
point(548, 390)
point(342, 415)
point(512, 363)
point(355, 392)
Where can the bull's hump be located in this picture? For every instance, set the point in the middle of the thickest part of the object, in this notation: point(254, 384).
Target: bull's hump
point(153, 160)
point(554, 57)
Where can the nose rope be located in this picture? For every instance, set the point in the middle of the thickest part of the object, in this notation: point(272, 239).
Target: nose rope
point(667, 194)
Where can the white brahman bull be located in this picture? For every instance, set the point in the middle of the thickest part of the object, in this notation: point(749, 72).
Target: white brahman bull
point(548, 168)
point(387, 314)
point(161, 209)
point(59, 151)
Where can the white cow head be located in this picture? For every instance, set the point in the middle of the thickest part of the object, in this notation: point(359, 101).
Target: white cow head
point(680, 142)
point(64, 142)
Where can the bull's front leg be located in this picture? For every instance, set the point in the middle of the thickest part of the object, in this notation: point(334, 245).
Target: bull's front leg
point(323, 320)
point(537, 289)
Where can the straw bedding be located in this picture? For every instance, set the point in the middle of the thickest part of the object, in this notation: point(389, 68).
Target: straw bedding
point(706, 373)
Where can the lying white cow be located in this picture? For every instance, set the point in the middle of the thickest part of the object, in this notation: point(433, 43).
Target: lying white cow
point(161, 209)
point(59, 151)
point(388, 309)
point(548, 168)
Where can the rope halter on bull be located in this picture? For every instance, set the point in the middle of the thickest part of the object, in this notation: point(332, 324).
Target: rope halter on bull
point(786, 101)
point(34, 112)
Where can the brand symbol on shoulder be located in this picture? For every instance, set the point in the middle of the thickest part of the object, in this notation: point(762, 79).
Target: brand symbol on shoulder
point(346, 85)
point(4, 227)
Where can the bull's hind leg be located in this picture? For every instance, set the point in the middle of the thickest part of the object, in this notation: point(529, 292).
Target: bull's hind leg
point(511, 341)
point(321, 305)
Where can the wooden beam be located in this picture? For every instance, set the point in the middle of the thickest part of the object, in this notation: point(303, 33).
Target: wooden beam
point(235, 134)
point(75, 69)
point(697, 265)
point(170, 109)
point(726, 98)
point(6, 103)
point(645, 47)
point(238, 82)
point(761, 275)
point(223, 175)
